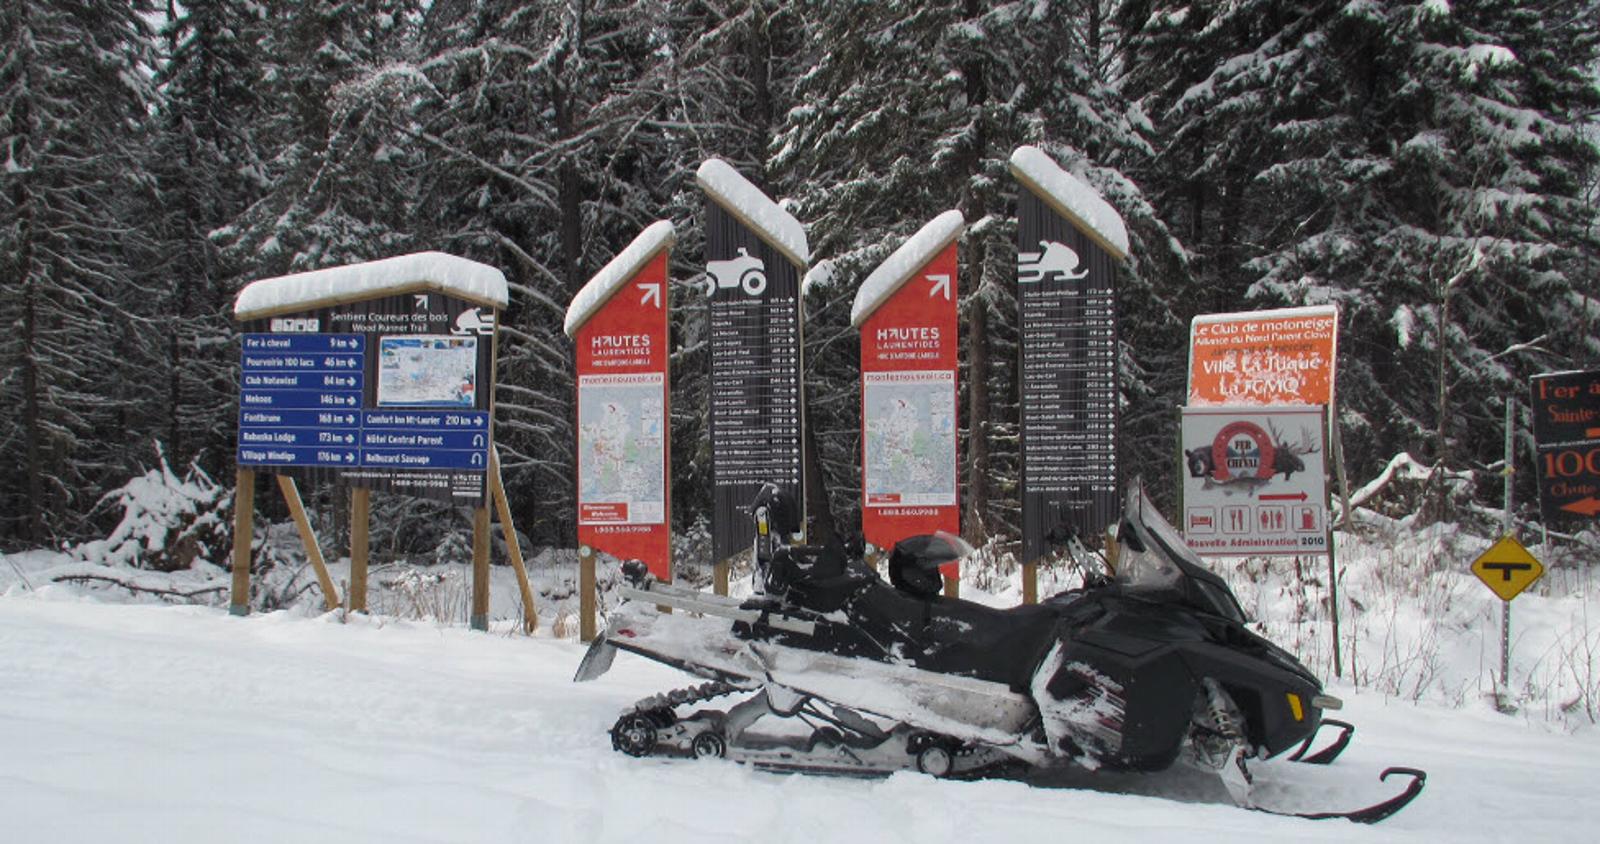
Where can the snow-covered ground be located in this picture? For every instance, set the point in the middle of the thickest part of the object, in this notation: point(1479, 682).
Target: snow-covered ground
point(147, 722)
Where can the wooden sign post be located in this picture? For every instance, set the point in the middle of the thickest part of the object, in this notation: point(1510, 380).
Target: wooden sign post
point(376, 376)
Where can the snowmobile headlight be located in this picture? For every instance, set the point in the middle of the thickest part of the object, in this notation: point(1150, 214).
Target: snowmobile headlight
point(1327, 702)
point(1296, 708)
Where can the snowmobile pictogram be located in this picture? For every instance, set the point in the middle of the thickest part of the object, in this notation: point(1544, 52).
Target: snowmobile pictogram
point(1141, 668)
point(1053, 259)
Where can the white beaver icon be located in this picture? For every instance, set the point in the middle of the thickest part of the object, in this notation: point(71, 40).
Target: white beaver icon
point(1054, 258)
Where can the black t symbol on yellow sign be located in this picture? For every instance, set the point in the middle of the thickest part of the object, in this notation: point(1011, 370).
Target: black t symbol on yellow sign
point(1506, 569)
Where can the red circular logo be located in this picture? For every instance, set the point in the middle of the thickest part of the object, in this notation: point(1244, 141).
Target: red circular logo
point(1242, 450)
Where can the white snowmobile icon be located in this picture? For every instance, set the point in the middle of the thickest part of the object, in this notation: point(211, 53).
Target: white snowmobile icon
point(473, 322)
point(745, 271)
point(1055, 258)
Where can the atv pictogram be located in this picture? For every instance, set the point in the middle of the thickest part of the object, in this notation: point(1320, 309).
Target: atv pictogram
point(745, 271)
point(1054, 258)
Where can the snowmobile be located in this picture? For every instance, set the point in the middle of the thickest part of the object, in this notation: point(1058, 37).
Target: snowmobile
point(1149, 663)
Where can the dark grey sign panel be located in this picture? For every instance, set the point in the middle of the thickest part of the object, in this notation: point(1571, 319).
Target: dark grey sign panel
point(1067, 305)
point(389, 394)
point(1566, 431)
point(755, 375)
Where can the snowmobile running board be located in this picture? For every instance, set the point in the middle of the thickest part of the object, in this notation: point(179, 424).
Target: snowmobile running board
point(689, 600)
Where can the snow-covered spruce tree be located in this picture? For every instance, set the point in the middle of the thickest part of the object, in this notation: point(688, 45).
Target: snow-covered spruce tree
point(1067, 79)
point(914, 108)
point(723, 79)
point(206, 172)
point(338, 188)
point(881, 139)
point(1419, 164)
point(544, 150)
point(74, 97)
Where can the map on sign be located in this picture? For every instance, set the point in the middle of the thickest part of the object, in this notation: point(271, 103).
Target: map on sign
point(427, 371)
point(621, 426)
point(910, 438)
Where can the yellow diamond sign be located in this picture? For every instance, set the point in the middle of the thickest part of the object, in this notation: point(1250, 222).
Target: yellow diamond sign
point(1507, 568)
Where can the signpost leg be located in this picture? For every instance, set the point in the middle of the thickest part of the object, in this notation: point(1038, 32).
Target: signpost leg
point(244, 506)
point(360, 545)
point(1505, 647)
point(480, 569)
point(497, 490)
point(586, 597)
point(1507, 528)
point(297, 509)
point(952, 586)
point(1333, 602)
point(1030, 583)
point(720, 575)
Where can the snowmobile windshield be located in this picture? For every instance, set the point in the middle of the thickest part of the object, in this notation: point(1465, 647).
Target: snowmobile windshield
point(1156, 563)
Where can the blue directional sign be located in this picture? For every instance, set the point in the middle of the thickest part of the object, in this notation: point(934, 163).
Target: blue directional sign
point(303, 402)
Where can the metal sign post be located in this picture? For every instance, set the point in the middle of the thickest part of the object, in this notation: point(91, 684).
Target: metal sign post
point(1507, 568)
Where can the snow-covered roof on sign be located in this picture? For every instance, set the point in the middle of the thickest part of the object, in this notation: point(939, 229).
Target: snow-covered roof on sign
point(746, 201)
point(470, 280)
point(614, 275)
point(912, 255)
point(1079, 202)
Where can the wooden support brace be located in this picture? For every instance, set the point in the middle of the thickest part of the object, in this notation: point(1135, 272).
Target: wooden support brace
point(360, 545)
point(587, 627)
point(719, 578)
point(297, 509)
point(480, 569)
point(244, 507)
point(497, 490)
point(1030, 583)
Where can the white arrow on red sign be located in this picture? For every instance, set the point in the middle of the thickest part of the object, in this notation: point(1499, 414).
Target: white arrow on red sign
point(652, 291)
point(941, 284)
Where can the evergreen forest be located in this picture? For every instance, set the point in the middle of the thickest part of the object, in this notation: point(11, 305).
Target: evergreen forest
point(1431, 167)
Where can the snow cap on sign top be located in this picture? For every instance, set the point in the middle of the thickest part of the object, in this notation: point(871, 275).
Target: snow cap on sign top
point(912, 255)
point(614, 275)
point(470, 280)
point(746, 201)
point(1079, 202)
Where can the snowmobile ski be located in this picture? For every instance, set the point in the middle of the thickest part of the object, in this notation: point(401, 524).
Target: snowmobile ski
point(1377, 811)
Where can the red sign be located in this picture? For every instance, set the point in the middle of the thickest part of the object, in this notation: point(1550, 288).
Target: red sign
point(623, 485)
point(908, 407)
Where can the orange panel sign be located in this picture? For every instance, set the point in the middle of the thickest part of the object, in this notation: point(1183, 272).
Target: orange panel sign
point(1265, 357)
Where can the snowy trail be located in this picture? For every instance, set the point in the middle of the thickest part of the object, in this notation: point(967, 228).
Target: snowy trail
point(148, 723)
